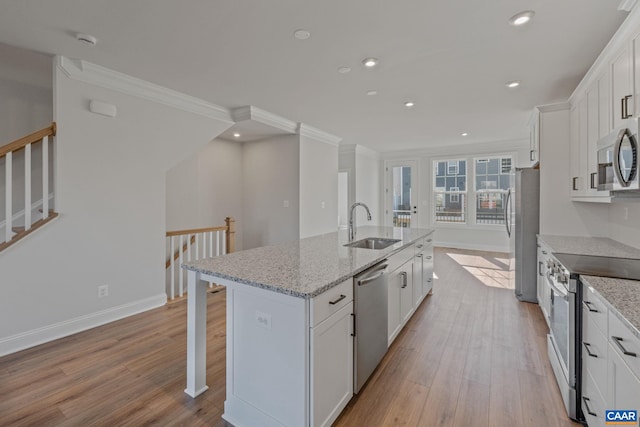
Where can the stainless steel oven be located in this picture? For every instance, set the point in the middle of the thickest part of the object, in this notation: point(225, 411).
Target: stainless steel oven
point(564, 334)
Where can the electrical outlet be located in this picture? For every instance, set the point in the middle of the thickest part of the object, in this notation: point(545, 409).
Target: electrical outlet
point(103, 291)
point(263, 319)
point(322, 205)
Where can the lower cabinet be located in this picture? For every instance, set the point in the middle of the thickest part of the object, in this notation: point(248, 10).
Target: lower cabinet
point(332, 365)
point(624, 386)
point(544, 291)
point(401, 305)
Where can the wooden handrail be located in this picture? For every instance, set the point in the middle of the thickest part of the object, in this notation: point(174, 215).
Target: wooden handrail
point(195, 231)
point(29, 139)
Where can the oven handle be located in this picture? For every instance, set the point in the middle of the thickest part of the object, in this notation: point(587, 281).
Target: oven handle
point(562, 292)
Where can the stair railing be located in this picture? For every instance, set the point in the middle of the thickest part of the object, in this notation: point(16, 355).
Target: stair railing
point(12, 233)
point(194, 244)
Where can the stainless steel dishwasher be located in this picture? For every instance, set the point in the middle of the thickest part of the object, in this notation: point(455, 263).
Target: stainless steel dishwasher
point(370, 289)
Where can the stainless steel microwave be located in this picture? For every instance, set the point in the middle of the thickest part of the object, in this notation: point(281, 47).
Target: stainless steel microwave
point(618, 160)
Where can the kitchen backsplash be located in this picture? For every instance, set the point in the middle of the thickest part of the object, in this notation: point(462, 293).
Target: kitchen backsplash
point(624, 222)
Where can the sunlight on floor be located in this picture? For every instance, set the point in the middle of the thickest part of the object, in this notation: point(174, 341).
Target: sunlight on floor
point(491, 270)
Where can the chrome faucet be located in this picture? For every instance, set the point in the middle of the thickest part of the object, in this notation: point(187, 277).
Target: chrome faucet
point(352, 228)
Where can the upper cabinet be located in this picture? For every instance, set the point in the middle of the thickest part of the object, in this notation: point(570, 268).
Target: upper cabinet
point(622, 86)
point(534, 138)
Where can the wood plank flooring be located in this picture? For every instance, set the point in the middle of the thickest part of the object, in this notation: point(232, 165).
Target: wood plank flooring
point(472, 355)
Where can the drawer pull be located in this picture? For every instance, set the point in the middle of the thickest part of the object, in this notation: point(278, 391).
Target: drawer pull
point(429, 257)
point(588, 304)
point(586, 346)
point(586, 401)
point(340, 298)
point(353, 316)
point(429, 240)
point(419, 246)
point(618, 342)
point(403, 276)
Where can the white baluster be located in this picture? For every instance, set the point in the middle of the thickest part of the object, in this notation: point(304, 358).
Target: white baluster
point(8, 231)
point(211, 243)
point(27, 187)
point(181, 273)
point(197, 236)
point(217, 243)
point(188, 248)
point(224, 242)
point(173, 274)
point(45, 177)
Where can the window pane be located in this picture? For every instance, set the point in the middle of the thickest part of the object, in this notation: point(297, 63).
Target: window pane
point(490, 207)
point(450, 207)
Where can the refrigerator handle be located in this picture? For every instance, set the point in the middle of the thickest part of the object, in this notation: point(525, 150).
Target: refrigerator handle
point(507, 217)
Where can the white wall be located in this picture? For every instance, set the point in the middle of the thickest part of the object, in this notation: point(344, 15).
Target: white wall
point(624, 222)
point(318, 187)
point(206, 187)
point(271, 175)
point(26, 92)
point(368, 186)
point(26, 105)
point(558, 214)
point(110, 184)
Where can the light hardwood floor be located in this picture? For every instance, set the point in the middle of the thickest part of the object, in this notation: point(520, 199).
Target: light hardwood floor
point(472, 355)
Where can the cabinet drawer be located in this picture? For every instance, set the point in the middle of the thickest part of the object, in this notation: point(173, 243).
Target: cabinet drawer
point(423, 243)
point(594, 308)
point(622, 339)
point(594, 353)
point(592, 402)
point(324, 305)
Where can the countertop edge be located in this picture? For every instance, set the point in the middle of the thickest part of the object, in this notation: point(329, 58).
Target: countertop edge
point(612, 308)
point(318, 291)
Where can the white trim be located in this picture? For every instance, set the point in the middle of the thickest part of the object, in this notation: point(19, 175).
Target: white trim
point(550, 108)
point(367, 152)
point(626, 5)
point(87, 72)
point(249, 112)
point(65, 328)
point(458, 245)
point(318, 135)
point(452, 151)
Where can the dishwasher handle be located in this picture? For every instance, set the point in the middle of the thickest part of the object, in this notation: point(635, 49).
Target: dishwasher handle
point(373, 275)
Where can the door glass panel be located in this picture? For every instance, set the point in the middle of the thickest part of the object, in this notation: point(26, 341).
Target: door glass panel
point(402, 196)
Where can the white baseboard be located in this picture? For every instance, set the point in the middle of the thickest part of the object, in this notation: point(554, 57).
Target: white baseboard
point(473, 247)
point(48, 333)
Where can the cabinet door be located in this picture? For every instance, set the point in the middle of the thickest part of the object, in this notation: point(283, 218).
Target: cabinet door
point(589, 154)
point(576, 118)
point(604, 103)
point(406, 293)
point(534, 139)
point(622, 88)
point(418, 288)
point(624, 387)
point(394, 321)
point(332, 367)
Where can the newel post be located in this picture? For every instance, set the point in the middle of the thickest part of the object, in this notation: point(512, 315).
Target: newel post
point(231, 234)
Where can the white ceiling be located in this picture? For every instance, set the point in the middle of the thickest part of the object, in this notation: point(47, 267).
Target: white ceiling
point(452, 57)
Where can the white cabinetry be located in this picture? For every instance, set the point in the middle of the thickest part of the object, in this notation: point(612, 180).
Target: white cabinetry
point(422, 270)
point(400, 299)
point(624, 386)
point(332, 364)
point(578, 135)
point(543, 292)
point(534, 138)
point(622, 86)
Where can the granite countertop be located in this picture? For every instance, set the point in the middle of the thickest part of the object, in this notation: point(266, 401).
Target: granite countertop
point(597, 246)
point(622, 296)
point(308, 267)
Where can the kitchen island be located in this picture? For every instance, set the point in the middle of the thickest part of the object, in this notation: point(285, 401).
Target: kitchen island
point(289, 324)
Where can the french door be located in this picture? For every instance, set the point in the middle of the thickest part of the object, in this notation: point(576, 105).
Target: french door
point(401, 193)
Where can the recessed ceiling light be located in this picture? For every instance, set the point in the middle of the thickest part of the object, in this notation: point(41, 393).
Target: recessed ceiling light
point(521, 18)
point(236, 135)
point(87, 39)
point(370, 62)
point(513, 84)
point(344, 70)
point(301, 34)
point(372, 92)
point(409, 104)
point(464, 134)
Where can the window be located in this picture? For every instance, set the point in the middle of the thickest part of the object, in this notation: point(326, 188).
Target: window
point(493, 178)
point(450, 189)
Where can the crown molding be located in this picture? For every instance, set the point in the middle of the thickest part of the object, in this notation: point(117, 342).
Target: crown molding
point(88, 72)
point(318, 135)
point(347, 149)
point(493, 147)
point(549, 108)
point(249, 112)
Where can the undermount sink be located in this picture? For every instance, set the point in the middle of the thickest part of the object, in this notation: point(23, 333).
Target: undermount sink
point(372, 243)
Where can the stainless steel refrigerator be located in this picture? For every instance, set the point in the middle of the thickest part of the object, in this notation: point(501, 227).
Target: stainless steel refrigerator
point(522, 222)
